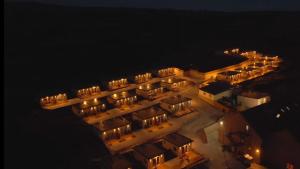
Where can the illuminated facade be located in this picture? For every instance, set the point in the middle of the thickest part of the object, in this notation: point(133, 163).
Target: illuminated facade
point(117, 84)
point(149, 91)
point(142, 78)
point(52, 100)
point(176, 104)
point(89, 107)
point(149, 155)
point(166, 72)
point(88, 91)
point(177, 143)
point(114, 128)
point(123, 98)
point(173, 83)
point(150, 117)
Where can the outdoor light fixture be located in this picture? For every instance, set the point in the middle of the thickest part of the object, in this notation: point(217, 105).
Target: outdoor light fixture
point(277, 116)
point(221, 123)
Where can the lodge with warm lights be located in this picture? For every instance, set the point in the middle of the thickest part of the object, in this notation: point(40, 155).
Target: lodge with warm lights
point(122, 98)
point(149, 155)
point(114, 128)
point(174, 84)
point(177, 143)
point(51, 100)
point(88, 91)
point(142, 78)
point(117, 84)
point(150, 117)
point(89, 107)
point(150, 91)
point(177, 105)
point(216, 90)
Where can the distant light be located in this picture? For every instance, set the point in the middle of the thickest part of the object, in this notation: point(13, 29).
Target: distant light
point(257, 151)
point(277, 116)
point(247, 127)
point(221, 123)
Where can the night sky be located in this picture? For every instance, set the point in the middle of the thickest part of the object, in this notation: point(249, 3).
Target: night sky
point(215, 5)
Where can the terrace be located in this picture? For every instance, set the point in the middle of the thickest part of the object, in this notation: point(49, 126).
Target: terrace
point(177, 105)
point(150, 91)
point(123, 98)
point(114, 128)
point(89, 107)
point(150, 116)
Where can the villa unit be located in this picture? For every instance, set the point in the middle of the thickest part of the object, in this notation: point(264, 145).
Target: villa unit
point(177, 105)
point(150, 117)
point(142, 78)
point(89, 107)
point(114, 128)
point(88, 91)
point(215, 90)
point(166, 72)
point(123, 98)
point(60, 98)
point(149, 155)
point(173, 83)
point(249, 99)
point(150, 91)
point(230, 76)
point(177, 143)
point(117, 84)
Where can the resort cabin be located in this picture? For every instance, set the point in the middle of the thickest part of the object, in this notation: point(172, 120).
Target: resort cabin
point(166, 72)
point(117, 84)
point(177, 143)
point(149, 155)
point(229, 76)
point(60, 98)
point(150, 117)
point(177, 105)
point(249, 99)
point(142, 78)
point(149, 91)
point(89, 107)
point(114, 128)
point(216, 90)
point(173, 83)
point(121, 163)
point(122, 98)
point(88, 91)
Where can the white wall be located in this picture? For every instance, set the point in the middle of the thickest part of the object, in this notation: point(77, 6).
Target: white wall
point(247, 102)
point(226, 93)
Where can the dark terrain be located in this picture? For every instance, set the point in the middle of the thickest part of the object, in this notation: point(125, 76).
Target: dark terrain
point(51, 49)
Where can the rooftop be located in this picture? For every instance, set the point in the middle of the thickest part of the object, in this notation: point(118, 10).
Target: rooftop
point(216, 87)
point(148, 150)
point(149, 86)
point(113, 124)
point(175, 100)
point(120, 163)
point(173, 80)
point(177, 139)
point(149, 113)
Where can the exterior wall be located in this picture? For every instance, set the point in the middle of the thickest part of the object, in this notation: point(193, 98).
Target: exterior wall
point(235, 122)
point(247, 103)
point(115, 133)
point(176, 150)
point(165, 106)
point(151, 121)
point(176, 107)
point(148, 163)
point(215, 97)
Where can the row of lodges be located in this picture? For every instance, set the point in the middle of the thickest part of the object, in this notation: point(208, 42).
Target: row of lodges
point(115, 85)
point(148, 117)
point(126, 98)
point(157, 155)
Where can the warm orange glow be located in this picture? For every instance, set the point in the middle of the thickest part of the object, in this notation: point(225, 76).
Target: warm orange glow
point(257, 151)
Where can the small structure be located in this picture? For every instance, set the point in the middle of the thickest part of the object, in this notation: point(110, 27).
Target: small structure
point(82, 93)
point(117, 84)
point(166, 72)
point(174, 83)
point(249, 99)
point(142, 78)
point(123, 98)
point(89, 107)
point(150, 116)
point(149, 91)
point(216, 90)
point(114, 128)
point(177, 105)
point(47, 101)
point(229, 76)
point(149, 155)
point(177, 143)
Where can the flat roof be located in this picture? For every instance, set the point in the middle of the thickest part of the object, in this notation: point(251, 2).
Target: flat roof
point(216, 87)
point(149, 112)
point(148, 150)
point(121, 163)
point(178, 139)
point(175, 100)
point(252, 94)
point(229, 73)
point(114, 123)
